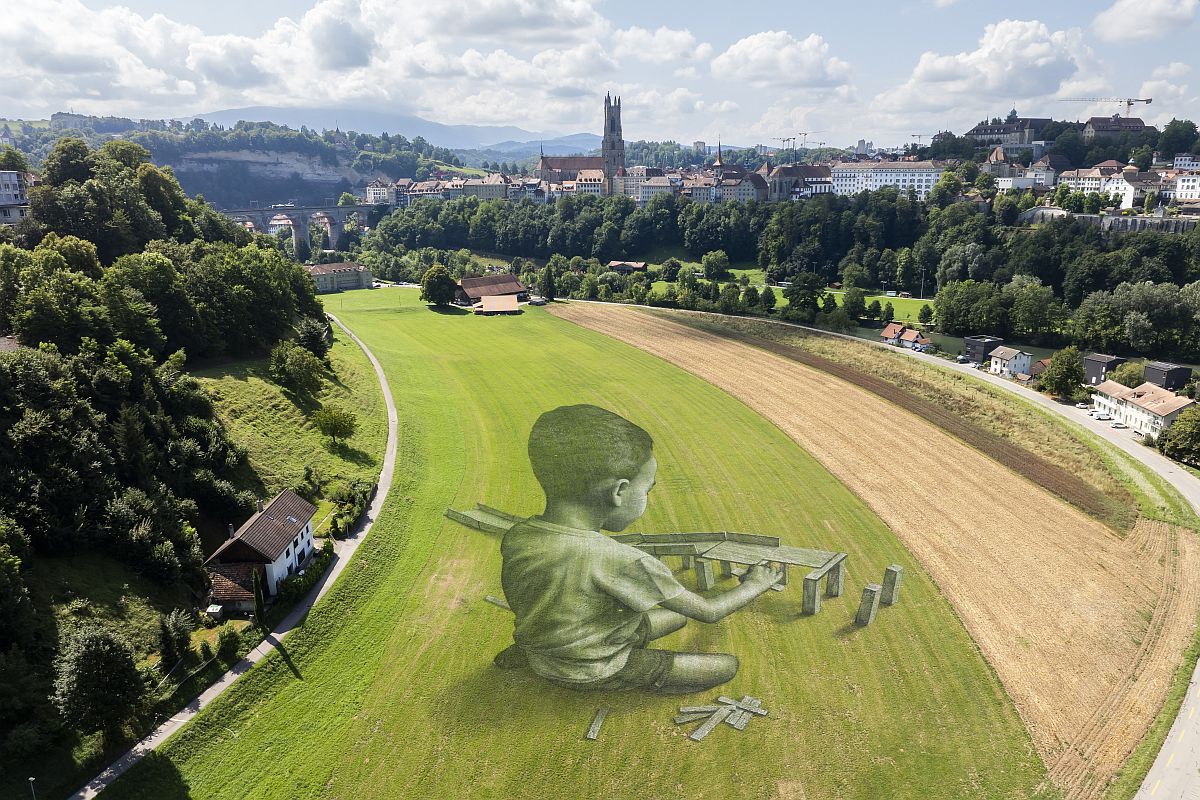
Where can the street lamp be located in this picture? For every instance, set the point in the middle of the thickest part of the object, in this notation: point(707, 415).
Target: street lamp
point(31, 791)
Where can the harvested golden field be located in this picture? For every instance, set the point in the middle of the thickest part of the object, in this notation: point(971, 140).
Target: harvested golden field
point(1083, 628)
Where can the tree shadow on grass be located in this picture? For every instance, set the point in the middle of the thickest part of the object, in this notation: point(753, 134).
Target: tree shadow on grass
point(283, 654)
point(348, 453)
point(450, 311)
point(158, 777)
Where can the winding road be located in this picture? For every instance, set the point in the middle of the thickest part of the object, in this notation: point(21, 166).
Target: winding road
point(343, 550)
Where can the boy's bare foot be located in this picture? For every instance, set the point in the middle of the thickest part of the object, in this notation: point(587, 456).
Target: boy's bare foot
point(511, 657)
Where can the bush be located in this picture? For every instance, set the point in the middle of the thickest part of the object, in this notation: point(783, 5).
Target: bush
point(335, 421)
point(313, 335)
point(206, 651)
point(228, 644)
point(352, 502)
point(295, 367)
point(292, 588)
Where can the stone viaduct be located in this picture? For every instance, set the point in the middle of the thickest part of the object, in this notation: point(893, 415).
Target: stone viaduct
point(333, 218)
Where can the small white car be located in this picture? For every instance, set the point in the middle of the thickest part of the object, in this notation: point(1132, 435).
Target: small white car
point(1084, 406)
point(1118, 424)
point(1103, 417)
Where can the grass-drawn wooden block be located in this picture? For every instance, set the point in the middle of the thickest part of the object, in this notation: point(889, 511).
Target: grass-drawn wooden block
point(869, 605)
point(891, 584)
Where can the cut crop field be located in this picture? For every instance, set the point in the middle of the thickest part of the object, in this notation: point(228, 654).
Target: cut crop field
point(1083, 627)
point(388, 690)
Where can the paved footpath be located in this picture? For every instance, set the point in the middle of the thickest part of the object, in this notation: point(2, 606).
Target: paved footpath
point(343, 550)
point(1175, 774)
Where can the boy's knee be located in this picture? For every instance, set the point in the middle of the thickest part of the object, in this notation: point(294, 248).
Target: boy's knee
point(696, 672)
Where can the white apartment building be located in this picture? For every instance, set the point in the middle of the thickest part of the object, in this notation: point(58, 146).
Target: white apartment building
point(1186, 161)
point(589, 181)
point(854, 177)
point(1187, 186)
point(381, 193)
point(1016, 182)
point(652, 186)
point(1146, 409)
point(14, 204)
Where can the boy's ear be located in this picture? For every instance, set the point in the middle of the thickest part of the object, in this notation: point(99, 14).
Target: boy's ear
point(618, 490)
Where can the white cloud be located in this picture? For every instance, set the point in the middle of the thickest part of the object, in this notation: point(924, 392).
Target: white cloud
point(1143, 19)
point(1015, 61)
point(660, 46)
point(1169, 91)
point(776, 58)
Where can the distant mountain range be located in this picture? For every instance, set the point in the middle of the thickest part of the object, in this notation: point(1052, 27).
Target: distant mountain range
point(511, 140)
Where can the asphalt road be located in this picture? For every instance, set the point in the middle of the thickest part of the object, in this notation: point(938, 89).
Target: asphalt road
point(343, 550)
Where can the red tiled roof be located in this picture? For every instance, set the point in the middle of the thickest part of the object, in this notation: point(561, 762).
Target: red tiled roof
point(232, 583)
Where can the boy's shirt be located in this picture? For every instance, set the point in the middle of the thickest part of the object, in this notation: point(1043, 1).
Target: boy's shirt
point(579, 597)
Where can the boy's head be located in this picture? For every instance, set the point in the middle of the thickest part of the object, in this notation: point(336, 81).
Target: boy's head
point(586, 455)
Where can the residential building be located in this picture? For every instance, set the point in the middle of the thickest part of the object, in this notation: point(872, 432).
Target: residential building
point(591, 181)
point(625, 267)
point(978, 349)
point(1147, 409)
point(339, 277)
point(275, 542)
point(1107, 127)
point(1166, 375)
point(1130, 187)
point(1097, 366)
point(1045, 170)
point(471, 290)
point(1185, 161)
point(380, 192)
point(14, 203)
point(858, 176)
point(652, 186)
point(891, 333)
point(1187, 186)
point(1018, 182)
point(913, 339)
point(493, 186)
point(1010, 362)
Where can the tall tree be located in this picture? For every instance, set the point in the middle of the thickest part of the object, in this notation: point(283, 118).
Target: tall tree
point(97, 685)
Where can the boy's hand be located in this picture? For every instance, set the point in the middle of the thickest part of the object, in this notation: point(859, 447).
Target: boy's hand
point(763, 575)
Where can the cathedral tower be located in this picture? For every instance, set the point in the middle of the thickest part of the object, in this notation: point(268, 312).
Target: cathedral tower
point(612, 150)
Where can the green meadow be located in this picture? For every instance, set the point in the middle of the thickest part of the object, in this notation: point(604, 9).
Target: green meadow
point(388, 690)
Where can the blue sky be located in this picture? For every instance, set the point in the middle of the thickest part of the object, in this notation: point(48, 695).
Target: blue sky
point(748, 71)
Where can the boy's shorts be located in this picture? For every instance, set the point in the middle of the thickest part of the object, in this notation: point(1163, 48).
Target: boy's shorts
point(645, 668)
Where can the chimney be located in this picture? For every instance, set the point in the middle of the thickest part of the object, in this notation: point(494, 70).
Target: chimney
point(260, 505)
point(232, 532)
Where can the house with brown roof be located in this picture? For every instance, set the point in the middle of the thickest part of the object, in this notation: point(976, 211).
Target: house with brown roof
point(891, 333)
point(1147, 409)
point(471, 290)
point(275, 542)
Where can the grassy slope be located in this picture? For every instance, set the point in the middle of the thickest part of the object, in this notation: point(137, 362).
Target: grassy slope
point(388, 690)
point(273, 424)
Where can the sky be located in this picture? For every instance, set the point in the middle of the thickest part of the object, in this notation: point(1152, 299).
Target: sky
point(747, 72)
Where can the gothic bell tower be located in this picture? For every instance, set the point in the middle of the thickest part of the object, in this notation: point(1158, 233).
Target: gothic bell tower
point(612, 150)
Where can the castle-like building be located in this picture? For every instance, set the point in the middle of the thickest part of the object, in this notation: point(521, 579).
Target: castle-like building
point(599, 171)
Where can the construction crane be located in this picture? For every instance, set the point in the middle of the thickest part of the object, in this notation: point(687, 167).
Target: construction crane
point(1128, 101)
point(920, 136)
point(804, 137)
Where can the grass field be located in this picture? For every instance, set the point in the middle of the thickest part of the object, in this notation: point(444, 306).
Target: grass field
point(388, 689)
point(273, 424)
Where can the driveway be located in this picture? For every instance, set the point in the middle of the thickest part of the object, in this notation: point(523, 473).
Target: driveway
point(343, 550)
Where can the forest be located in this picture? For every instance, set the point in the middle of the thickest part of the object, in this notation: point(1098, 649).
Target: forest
point(108, 291)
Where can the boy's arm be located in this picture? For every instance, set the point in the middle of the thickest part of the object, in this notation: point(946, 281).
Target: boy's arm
point(758, 579)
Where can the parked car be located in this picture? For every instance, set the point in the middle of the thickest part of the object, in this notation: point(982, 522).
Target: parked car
point(961, 359)
point(1103, 417)
point(1082, 405)
point(537, 301)
point(1118, 424)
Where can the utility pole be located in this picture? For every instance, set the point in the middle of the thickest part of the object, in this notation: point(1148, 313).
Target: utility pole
point(31, 791)
point(922, 280)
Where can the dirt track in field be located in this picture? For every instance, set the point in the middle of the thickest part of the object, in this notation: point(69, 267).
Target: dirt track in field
point(1083, 628)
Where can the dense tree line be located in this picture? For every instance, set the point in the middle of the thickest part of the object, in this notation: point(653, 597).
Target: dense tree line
point(106, 443)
